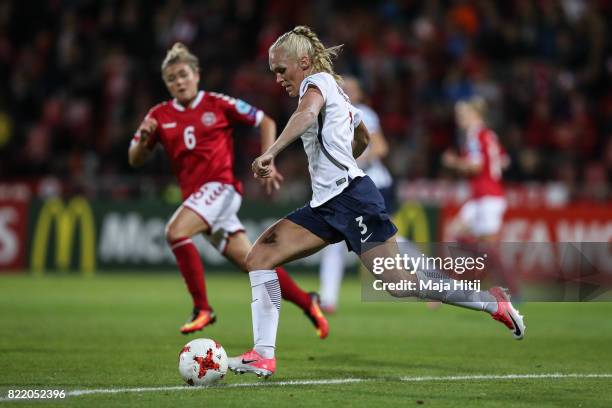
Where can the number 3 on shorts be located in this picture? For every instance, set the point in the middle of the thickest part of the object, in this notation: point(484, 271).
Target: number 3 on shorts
point(363, 228)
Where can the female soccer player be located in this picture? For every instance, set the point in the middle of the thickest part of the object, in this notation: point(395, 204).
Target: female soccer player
point(196, 130)
point(333, 257)
point(345, 204)
point(482, 161)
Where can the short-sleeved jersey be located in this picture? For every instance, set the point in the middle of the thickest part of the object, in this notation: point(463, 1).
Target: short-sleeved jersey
point(199, 139)
point(482, 147)
point(375, 169)
point(329, 141)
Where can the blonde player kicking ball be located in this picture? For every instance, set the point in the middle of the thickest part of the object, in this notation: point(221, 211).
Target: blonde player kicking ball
point(196, 130)
point(345, 204)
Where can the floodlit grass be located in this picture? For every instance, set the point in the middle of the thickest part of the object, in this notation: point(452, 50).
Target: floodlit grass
point(121, 331)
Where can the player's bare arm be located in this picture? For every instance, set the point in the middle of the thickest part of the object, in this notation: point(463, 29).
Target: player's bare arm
point(139, 152)
point(268, 132)
point(268, 135)
point(361, 140)
point(378, 149)
point(304, 116)
point(451, 160)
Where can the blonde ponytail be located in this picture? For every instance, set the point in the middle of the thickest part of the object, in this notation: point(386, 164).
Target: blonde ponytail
point(303, 41)
point(180, 53)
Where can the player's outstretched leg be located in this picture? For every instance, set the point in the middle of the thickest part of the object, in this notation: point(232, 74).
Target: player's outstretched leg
point(495, 301)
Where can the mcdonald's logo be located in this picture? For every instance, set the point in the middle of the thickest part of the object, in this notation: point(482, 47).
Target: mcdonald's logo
point(77, 213)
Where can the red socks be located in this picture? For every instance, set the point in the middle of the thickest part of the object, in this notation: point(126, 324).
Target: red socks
point(291, 291)
point(192, 269)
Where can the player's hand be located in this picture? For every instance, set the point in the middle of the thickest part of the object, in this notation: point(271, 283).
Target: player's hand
point(449, 158)
point(262, 166)
point(146, 128)
point(273, 182)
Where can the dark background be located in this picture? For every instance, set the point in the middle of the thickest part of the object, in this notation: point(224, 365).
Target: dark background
point(78, 76)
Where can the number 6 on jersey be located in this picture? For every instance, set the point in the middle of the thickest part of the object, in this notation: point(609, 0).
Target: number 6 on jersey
point(189, 137)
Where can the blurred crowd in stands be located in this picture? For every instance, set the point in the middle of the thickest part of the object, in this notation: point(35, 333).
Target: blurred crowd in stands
point(79, 75)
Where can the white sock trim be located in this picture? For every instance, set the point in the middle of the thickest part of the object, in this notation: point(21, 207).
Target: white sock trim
point(181, 243)
point(262, 276)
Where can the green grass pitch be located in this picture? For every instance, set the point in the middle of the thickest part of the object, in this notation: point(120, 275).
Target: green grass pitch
point(121, 331)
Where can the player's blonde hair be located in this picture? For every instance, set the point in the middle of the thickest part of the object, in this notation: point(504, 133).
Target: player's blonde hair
point(478, 104)
point(303, 41)
point(179, 53)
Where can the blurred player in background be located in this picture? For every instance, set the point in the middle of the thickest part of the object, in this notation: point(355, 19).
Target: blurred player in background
point(196, 130)
point(333, 257)
point(482, 160)
point(345, 206)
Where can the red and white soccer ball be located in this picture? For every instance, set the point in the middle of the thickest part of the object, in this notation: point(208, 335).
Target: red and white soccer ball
point(202, 362)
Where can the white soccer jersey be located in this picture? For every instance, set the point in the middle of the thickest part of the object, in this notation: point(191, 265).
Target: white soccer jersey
point(374, 168)
point(328, 142)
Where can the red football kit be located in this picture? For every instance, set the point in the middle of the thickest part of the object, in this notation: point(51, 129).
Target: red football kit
point(199, 139)
point(482, 146)
point(199, 142)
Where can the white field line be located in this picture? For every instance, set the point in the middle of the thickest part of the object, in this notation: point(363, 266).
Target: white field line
point(335, 381)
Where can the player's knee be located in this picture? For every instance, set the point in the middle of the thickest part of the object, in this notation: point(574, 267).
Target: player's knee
point(257, 260)
point(173, 232)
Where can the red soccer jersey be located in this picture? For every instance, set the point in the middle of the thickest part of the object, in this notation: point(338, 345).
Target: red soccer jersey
point(482, 146)
point(198, 139)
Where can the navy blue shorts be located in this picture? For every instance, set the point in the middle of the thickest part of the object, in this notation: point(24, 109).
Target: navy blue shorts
point(357, 215)
point(388, 194)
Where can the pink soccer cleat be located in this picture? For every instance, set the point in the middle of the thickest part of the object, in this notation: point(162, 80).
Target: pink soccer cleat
point(507, 314)
point(252, 362)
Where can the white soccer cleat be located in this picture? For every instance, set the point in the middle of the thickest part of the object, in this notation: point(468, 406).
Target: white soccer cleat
point(252, 362)
point(507, 314)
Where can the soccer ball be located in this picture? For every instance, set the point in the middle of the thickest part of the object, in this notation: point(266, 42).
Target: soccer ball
point(202, 362)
